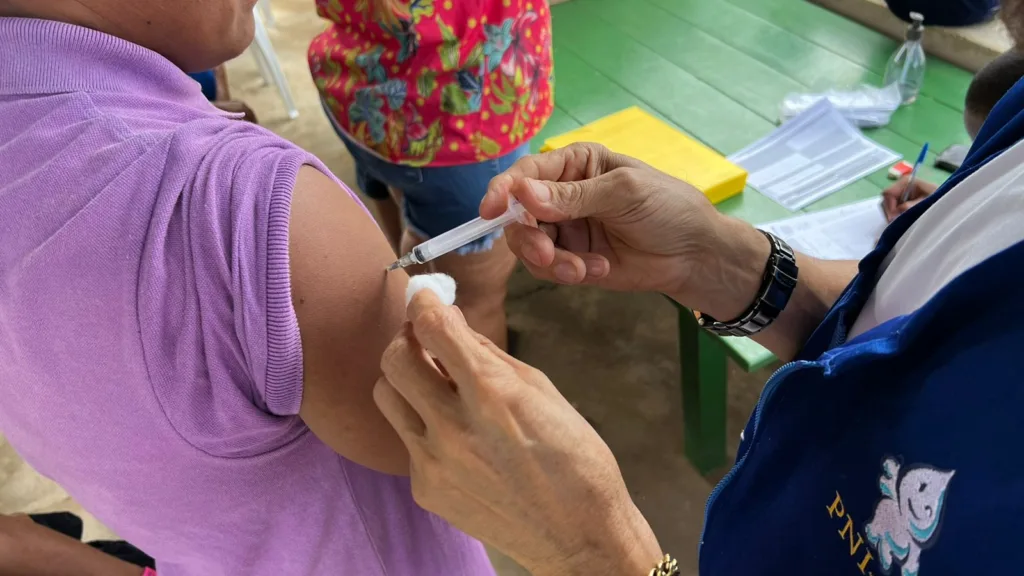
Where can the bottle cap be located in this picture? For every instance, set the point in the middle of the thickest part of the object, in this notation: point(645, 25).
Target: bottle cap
point(916, 29)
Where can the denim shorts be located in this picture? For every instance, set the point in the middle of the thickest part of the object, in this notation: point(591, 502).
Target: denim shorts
point(434, 200)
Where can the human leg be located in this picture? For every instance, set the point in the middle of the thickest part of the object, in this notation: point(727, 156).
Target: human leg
point(449, 197)
point(482, 279)
point(435, 200)
point(389, 218)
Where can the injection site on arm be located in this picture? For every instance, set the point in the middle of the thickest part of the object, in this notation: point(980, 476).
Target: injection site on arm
point(348, 311)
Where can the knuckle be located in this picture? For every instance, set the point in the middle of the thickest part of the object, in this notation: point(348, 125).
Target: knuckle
point(431, 477)
point(628, 181)
point(599, 152)
point(436, 320)
point(571, 196)
point(525, 166)
point(576, 158)
point(499, 397)
point(531, 374)
point(392, 354)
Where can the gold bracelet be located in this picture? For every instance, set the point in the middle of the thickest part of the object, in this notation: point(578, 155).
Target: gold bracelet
point(667, 567)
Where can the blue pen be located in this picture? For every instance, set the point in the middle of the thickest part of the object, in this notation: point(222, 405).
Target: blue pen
point(913, 174)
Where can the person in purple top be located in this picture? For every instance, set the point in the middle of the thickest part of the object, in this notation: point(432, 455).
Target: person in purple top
point(192, 309)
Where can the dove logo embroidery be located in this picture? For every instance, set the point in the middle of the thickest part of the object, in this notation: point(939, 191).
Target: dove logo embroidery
point(907, 518)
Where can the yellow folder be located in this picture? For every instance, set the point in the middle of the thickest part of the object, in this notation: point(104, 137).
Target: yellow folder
point(636, 133)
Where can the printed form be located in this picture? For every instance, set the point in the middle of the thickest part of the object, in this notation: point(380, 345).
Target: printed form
point(844, 233)
point(816, 153)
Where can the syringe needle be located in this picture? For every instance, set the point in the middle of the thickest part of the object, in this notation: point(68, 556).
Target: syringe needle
point(403, 262)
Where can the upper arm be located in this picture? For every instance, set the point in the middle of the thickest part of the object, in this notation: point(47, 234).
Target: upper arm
point(348, 310)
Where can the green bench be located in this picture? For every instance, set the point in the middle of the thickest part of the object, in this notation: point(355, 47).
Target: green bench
point(717, 70)
point(703, 357)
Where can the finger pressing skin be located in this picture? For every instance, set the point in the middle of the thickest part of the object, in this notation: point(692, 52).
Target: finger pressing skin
point(414, 375)
point(399, 413)
point(446, 334)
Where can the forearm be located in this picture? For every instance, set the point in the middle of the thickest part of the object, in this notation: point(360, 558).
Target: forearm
point(27, 548)
point(732, 274)
point(818, 287)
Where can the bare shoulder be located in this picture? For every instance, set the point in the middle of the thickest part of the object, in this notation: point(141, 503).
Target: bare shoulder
point(348, 310)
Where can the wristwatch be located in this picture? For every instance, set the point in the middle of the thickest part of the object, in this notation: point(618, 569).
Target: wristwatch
point(777, 286)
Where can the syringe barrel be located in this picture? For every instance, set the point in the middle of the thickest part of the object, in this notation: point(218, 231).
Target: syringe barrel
point(468, 232)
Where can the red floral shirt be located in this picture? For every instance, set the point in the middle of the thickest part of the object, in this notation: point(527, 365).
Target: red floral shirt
point(457, 82)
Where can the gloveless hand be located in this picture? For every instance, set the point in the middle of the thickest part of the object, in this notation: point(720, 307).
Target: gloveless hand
point(891, 196)
point(498, 452)
point(612, 221)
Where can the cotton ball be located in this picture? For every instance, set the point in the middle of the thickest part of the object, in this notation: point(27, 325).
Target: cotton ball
point(442, 284)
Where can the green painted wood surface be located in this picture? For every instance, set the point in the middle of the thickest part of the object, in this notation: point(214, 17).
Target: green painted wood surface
point(717, 69)
point(943, 81)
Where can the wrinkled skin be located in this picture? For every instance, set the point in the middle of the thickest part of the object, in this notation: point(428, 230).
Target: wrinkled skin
point(196, 35)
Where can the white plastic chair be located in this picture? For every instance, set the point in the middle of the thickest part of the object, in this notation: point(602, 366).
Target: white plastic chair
point(268, 13)
point(270, 67)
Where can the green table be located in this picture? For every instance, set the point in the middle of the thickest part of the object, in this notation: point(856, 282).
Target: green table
point(717, 69)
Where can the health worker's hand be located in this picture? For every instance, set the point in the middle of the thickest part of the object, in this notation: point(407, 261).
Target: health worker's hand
point(610, 220)
point(497, 451)
point(919, 190)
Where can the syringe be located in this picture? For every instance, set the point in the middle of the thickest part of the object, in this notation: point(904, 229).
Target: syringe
point(458, 237)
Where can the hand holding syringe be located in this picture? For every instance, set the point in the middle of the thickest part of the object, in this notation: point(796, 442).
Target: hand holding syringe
point(458, 237)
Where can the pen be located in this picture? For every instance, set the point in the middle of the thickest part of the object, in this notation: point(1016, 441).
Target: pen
point(913, 174)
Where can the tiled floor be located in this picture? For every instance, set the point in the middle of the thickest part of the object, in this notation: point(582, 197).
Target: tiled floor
point(715, 68)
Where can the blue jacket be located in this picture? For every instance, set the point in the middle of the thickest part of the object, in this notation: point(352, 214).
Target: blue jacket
point(892, 453)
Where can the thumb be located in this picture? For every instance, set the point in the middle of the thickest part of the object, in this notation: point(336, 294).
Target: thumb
point(596, 197)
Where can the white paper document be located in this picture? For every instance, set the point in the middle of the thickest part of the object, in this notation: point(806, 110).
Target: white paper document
point(844, 233)
point(813, 155)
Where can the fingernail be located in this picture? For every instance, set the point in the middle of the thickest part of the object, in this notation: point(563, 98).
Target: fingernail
point(596, 267)
point(540, 190)
point(565, 272)
point(531, 255)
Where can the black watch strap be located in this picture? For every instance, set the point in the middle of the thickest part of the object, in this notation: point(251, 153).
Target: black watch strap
point(777, 286)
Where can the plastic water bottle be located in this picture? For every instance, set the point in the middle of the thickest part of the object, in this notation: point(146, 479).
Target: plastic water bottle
point(906, 67)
